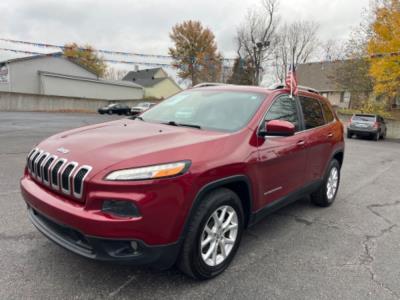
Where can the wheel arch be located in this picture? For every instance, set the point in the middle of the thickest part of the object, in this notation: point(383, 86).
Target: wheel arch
point(239, 184)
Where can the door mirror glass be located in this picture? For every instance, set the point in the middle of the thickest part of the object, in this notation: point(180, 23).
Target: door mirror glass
point(278, 128)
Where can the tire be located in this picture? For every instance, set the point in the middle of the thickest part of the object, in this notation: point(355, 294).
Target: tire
point(349, 135)
point(193, 259)
point(324, 197)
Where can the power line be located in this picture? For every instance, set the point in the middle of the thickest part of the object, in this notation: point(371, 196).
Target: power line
point(109, 52)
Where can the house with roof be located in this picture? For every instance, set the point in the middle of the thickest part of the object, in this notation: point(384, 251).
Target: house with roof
point(321, 76)
point(156, 82)
point(55, 75)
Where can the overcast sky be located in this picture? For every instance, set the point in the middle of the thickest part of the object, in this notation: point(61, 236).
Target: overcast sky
point(143, 25)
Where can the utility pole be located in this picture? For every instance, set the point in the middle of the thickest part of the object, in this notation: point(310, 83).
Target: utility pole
point(258, 48)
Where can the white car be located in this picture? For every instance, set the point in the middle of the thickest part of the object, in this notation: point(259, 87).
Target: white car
point(141, 107)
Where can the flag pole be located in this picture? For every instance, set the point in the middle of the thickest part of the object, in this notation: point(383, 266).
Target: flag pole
point(292, 74)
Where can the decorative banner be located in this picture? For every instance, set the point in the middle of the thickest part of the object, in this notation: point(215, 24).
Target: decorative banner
point(43, 45)
point(4, 74)
point(113, 61)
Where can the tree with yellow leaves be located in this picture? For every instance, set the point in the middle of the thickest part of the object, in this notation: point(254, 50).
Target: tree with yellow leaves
point(384, 40)
point(195, 52)
point(87, 57)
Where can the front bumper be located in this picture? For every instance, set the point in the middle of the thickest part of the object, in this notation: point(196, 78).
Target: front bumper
point(162, 257)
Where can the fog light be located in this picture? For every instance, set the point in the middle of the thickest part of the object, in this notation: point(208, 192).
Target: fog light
point(120, 208)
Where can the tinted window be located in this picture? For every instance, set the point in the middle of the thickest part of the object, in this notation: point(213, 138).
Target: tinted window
point(365, 118)
point(327, 112)
point(207, 108)
point(284, 108)
point(313, 116)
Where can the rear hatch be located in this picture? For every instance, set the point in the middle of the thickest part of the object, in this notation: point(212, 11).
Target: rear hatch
point(363, 122)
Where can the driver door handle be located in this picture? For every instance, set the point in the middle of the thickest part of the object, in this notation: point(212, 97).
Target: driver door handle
point(301, 143)
point(330, 135)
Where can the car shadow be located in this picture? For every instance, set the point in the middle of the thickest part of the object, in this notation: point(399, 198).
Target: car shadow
point(75, 274)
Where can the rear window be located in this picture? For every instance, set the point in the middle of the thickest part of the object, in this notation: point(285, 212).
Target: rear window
point(364, 118)
point(327, 112)
point(312, 110)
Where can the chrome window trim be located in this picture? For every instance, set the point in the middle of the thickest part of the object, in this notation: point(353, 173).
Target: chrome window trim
point(67, 191)
point(79, 195)
point(57, 186)
point(47, 183)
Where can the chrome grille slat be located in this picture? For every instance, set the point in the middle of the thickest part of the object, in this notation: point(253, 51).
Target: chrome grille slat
point(79, 179)
point(35, 162)
point(65, 177)
point(42, 158)
point(46, 169)
point(57, 173)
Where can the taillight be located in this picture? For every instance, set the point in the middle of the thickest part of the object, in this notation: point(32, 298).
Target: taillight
point(376, 125)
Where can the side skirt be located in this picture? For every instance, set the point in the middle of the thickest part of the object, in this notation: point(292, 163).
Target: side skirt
point(282, 202)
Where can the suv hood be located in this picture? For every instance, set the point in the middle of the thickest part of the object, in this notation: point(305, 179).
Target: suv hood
point(131, 142)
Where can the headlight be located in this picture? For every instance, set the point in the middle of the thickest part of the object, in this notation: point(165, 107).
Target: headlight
point(151, 172)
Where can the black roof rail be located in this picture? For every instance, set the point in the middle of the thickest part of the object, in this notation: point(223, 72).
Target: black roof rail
point(278, 86)
point(206, 84)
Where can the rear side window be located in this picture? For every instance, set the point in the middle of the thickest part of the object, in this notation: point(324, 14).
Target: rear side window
point(312, 110)
point(327, 112)
point(284, 108)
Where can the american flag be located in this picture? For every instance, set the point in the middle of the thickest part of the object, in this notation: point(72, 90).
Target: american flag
point(291, 81)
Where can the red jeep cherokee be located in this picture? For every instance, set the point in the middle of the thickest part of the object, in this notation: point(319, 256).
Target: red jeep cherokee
point(182, 181)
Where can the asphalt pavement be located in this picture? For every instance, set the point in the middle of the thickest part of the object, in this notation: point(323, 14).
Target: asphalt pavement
point(348, 251)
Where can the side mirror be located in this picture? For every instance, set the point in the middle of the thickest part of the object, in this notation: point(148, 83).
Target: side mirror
point(278, 128)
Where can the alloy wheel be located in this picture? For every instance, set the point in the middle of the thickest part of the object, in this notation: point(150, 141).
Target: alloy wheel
point(219, 236)
point(332, 183)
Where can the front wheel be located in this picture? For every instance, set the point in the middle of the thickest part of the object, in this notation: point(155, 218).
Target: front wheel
point(326, 193)
point(213, 236)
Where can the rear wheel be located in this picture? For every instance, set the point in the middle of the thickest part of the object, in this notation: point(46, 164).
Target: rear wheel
point(326, 193)
point(213, 236)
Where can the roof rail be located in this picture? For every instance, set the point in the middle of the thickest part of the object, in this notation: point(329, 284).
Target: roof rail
point(206, 84)
point(278, 86)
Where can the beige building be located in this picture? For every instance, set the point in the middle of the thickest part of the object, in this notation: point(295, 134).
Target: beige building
point(156, 82)
point(320, 76)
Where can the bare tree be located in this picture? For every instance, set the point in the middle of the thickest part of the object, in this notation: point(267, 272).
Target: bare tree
point(114, 74)
point(256, 36)
point(299, 40)
point(332, 50)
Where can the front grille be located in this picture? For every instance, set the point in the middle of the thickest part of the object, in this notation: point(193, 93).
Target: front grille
point(46, 168)
point(66, 177)
point(39, 165)
point(57, 173)
point(78, 180)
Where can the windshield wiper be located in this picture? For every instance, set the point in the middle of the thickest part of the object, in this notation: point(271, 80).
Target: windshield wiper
point(173, 123)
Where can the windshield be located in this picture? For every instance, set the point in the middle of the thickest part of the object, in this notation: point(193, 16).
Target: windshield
point(365, 118)
point(208, 109)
